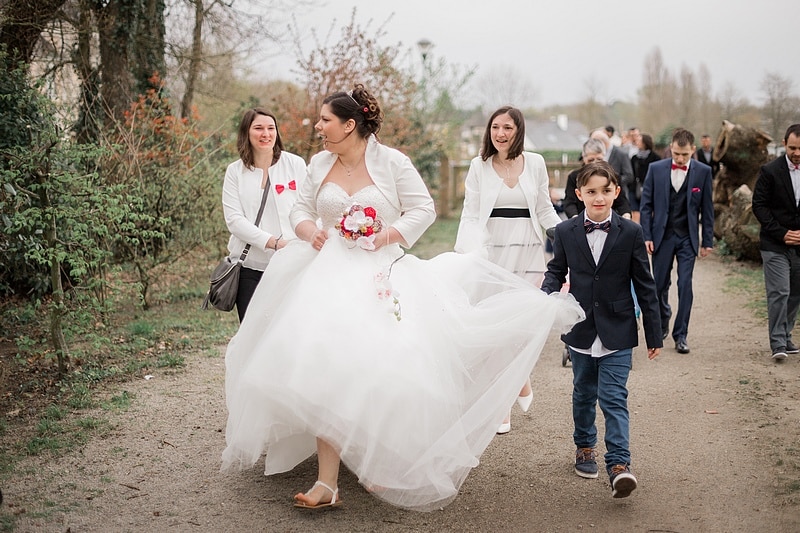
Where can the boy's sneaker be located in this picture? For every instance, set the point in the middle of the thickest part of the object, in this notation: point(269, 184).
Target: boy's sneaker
point(586, 462)
point(791, 348)
point(623, 482)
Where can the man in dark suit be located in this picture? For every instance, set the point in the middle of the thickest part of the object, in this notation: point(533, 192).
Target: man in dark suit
point(603, 254)
point(676, 198)
point(705, 154)
point(776, 198)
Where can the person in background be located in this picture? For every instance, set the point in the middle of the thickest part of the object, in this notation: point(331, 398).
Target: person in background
point(593, 150)
point(705, 154)
point(676, 207)
point(506, 205)
point(604, 255)
point(263, 167)
point(632, 144)
point(618, 158)
point(775, 199)
point(640, 162)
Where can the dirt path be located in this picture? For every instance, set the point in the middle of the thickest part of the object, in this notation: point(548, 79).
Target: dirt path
point(715, 441)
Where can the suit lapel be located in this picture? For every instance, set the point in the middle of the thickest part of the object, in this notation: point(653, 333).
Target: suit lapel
point(666, 188)
point(787, 180)
point(580, 237)
point(611, 239)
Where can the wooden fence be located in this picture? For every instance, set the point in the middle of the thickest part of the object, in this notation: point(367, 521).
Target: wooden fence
point(449, 195)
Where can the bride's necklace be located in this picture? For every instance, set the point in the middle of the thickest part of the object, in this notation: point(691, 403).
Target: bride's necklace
point(349, 170)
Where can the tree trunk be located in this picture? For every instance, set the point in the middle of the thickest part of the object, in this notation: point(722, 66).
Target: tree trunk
point(116, 82)
point(149, 41)
point(90, 115)
point(57, 306)
point(194, 60)
point(741, 151)
point(131, 50)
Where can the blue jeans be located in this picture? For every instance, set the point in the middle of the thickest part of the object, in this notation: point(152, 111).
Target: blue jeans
point(604, 380)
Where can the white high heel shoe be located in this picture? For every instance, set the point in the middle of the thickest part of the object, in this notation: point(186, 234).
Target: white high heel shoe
point(525, 401)
point(504, 428)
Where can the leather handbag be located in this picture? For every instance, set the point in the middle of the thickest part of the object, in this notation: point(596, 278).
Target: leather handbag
point(224, 285)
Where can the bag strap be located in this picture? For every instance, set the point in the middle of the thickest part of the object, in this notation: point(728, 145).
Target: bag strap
point(258, 218)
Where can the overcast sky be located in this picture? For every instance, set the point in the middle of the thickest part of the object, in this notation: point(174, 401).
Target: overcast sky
point(560, 45)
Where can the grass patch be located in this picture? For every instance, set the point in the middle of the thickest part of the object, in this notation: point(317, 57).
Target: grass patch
point(120, 402)
point(169, 360)
point(748, 280)
point(440, 237)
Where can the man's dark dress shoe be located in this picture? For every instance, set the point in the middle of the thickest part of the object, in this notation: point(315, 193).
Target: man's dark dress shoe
point(664, 334)
point(682, 347)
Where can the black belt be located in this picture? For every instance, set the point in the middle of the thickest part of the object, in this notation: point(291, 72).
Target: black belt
point(510, 212)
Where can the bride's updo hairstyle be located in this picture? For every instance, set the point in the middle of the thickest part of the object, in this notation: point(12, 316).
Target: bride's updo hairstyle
point(358, 105)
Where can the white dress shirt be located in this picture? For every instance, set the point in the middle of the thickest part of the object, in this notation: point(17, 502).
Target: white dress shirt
point(596, 240)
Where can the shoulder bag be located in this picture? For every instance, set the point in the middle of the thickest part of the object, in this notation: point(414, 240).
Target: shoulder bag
point(225, 278)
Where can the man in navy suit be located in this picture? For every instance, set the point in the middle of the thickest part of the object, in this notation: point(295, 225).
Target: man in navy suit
point(775, 204)
point(603, 254)
point(676, 199)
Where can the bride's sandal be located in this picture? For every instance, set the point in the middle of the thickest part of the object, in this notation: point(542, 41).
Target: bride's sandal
point(302, 501)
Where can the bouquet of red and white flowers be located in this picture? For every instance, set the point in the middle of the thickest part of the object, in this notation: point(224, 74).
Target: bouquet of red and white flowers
point(360, 224)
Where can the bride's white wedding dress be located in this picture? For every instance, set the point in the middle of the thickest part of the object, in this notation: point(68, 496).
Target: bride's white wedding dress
point(410, 404)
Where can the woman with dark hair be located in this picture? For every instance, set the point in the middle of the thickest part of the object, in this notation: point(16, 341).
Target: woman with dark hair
point(506, 205)
point(263, 168)
point(640, 163)
point(398, 367)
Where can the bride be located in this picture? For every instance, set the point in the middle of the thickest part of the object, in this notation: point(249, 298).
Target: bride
point(399, 367)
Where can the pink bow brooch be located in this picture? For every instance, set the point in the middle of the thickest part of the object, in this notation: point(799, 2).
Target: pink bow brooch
point(293, 186)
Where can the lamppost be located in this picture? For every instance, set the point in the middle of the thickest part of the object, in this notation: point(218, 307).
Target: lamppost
point(424, 46)
point(442, 162)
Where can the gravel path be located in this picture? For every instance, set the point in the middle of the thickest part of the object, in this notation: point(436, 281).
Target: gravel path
point(715, 438)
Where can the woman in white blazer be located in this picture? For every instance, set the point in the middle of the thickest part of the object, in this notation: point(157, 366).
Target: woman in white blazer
point(263, 164)
point(506, 206)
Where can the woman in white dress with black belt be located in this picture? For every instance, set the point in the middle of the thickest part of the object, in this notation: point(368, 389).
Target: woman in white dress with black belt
point(506, 207)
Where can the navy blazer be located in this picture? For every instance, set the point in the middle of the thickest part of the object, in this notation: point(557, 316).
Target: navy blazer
point(654, 205)
point(604, 289)
point(774, 205)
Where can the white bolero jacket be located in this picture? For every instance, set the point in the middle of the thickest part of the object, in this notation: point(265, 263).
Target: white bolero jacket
point(393, 174)
point(241, 198)
point(482, 187)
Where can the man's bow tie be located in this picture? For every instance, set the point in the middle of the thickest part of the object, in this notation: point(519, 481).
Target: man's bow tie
point(679, 167)
point(280, 188)
point(590, 226)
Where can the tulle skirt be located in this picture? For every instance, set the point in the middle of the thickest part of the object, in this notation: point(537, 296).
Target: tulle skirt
point(407, 380)
point(515, 246)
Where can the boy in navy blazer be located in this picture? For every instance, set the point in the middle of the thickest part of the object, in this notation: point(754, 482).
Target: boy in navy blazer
point(676, 197)
point(603, 253)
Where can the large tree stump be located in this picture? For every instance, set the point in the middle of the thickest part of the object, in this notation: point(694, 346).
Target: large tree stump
point(741, 150)
point(739, 226)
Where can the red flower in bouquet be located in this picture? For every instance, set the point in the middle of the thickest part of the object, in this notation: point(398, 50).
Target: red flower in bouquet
point(360, 224)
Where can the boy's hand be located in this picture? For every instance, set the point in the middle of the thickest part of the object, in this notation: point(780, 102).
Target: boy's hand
point(652, 353)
